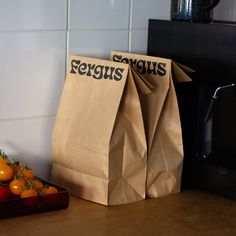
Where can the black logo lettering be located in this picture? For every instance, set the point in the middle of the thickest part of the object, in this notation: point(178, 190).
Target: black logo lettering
point(125, 60)
point(151, 67)
point(98, 74)
point(96, 71)
point(117, 58)
point(90, 69)
point(142, 66)
point(74, 66)
point(132, 62)
point(107, 74)
point(82, 68)
point(161, 69)
point(118, 74)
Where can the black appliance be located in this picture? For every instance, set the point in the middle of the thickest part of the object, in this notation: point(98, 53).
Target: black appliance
point(208, 104)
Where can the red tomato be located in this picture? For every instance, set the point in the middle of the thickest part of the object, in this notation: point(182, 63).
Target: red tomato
point(4, 192)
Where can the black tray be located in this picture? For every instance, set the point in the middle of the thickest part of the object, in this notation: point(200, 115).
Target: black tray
point(25, 206)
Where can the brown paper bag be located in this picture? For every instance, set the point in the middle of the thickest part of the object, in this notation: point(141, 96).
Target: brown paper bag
point(98, 143)
point(161, 119)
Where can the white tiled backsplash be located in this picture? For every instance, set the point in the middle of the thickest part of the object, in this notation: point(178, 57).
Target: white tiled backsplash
point(35, 39)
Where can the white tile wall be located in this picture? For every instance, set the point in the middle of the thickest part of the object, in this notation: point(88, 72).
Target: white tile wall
point(225, 11)
point(141, 12)
point(33, 14)
point(102, 14)
point(144, 10)
point(29, 141)
point(32, 69)
point(98, 43)
point(35, 38)
point(138, 41)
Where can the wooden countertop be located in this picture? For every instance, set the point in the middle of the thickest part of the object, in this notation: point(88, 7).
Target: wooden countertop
point(188, 213)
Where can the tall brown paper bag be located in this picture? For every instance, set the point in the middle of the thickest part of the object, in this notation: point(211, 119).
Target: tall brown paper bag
point(161, 119)
point(98, 143)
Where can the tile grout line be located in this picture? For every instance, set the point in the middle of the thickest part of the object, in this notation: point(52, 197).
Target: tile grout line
point(26, 118)
point(67, 35)
point(30, 30)
point(98, 29)
point(130, 24)
point(68, 30)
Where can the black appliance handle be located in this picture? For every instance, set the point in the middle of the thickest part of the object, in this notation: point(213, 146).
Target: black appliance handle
point(210, 109)
point(207, 125)
point(213, 99)
point(211, 5)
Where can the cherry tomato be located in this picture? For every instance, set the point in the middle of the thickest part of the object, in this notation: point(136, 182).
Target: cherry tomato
point(15, 167)
point(6, 172)
point(29, 197)
point(16, 186)
point(3, 157)
point(26, 172)
point(37, 184)
point(23, 182)
point(49, 190)
point(50, 196)
point(3, 160)
point(4, 192)
point(28, 193)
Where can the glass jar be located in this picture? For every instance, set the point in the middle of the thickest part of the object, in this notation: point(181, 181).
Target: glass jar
point(193, 10)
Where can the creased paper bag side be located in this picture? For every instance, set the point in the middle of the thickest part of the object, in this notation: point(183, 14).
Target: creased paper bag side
point(165, 165)
point(130, 128)
point(150, 68)
point(162, 122)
